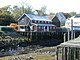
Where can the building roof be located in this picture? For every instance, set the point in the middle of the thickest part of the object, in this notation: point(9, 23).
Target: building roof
point(72, 43)
point(61, 17)
point(36, 17)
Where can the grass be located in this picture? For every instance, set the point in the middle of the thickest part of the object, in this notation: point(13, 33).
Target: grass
point(44, 57)
point(47, 48)
point(37, 57)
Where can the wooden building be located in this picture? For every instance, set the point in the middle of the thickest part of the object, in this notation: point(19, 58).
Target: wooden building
point(31, 22)
point(60, 19)
point(70, 50)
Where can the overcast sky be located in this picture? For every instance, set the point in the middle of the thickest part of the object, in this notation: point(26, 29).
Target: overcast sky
point(52, 5)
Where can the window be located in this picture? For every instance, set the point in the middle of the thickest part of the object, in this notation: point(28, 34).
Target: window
point(40, 21)
point(47, 22)
point(67, 23)
point(50, 22)
point(43, 22)
point(50, 27)
point(53, 27)
point(22, 27)
point(36, 21)
point(39, 27)
point(42, 27)
point(33, 21)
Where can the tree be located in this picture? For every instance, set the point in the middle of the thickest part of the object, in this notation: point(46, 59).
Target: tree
point(6, 19)
point(42, 10)
point(5, 9)
point(18, 11)
point(5, 16)
point(51, 13)
point(72, 13)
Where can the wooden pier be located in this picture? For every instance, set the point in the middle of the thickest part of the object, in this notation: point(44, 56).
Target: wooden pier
point(70, 50)
point(42, 35)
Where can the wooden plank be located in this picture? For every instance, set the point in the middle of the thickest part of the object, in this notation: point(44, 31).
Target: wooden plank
point(74, 53)
point(62, 53)
point(79, 54)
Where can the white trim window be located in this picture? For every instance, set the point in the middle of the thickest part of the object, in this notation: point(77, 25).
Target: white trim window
point(50, 27)
point(42, 27)
point(46, 22)
point(39, 22)
point(53, 27)
point(38, 27)
point(35, 21)
point(42, 22)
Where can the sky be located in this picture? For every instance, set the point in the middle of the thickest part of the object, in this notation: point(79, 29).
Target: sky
point(52, 5)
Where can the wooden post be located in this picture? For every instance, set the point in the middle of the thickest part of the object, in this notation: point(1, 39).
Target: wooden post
point(74, 34)
point(68, 35)
point(74, 53)
point(69, 53)
point(65, 53)
point(71, 29)
point(64, 37)
point(79, 53)
point(56, 55)
point(36, 35)
point(68, 47)
point(65, 49)
point(62, 53)
point(28, 35)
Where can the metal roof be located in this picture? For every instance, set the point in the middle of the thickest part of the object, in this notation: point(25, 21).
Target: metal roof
point(61, 17)
point(72, 43)
point(37, 17)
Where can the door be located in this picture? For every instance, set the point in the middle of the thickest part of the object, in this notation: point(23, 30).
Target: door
point(46, 28)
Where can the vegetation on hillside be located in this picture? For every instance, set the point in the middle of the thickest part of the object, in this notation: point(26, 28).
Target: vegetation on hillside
point(5, 16)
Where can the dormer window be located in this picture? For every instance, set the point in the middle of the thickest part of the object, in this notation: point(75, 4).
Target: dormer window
point(43, 22)
point(40, 21)
point(46, 22)
point(36, 21)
